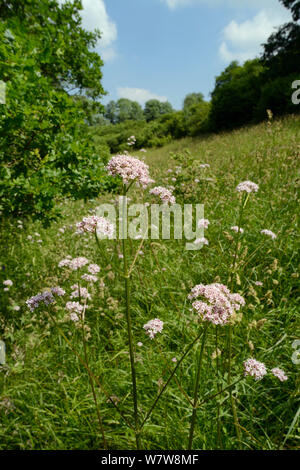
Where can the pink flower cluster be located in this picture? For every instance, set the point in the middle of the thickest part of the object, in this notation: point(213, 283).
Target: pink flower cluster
point(255, 369)
point(269, 233)
point(237, 229)
point(80, 292)
point(153, 327)
point(89, 278)
point(130, 169)
point(258, 370)
point(221, 305)
point(203, 223)
point(248, 187)
point(203, 240)
point(46, 297)
point(93, 268)
point(165, 194)
point(131, 140)
point(97, 224)
point(73, 264)
point(75, 309)
point(279, 373)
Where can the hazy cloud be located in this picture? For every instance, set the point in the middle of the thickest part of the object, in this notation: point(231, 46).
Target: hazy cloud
point(139, 94)
point(242, 41)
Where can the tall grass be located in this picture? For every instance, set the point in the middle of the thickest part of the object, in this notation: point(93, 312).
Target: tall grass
point(46, 399)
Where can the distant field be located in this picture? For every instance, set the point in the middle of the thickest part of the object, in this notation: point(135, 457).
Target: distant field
point(45, 398)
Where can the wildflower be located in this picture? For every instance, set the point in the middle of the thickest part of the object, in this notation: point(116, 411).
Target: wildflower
point(80, 292)
point(279, 373)
point(258, 283)
point(247, 186)
point(16, 308)
point(174, 359)
point(8, 283)
point(201, 240)
point(45, 297)
point(93, 268)
point(204, 165)
point(255, 369)
point(74, 307)
point(129, 169)
point(269, 233)
point(203, 223)
point(64, 262)
point(140, 344)
point(74, 317)
point(197, 180)
point(58, 291)
point(222, 305)
point(216, 353)
point(153, 327)
point(89, 278)
point(97, 224)
point(237, 229)
point(164, 194)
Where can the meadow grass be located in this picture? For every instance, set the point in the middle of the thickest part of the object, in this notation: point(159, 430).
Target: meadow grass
point(45, 398)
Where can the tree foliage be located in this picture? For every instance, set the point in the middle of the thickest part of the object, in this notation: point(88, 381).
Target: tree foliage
point(44, 150)
point(155, 108)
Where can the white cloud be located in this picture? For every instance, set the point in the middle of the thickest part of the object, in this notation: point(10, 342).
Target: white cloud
point(94, 15)
point(172, 4)
point(265, 4)
point(242, 41)
point(139, 94)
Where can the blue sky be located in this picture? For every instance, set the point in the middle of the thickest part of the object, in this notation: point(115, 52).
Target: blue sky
point(166, 49)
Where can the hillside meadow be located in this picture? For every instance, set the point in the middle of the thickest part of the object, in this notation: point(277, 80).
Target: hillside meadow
point(57, 368)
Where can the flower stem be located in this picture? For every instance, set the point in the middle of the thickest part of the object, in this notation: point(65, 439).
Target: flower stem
point(129, 324)
point(231, 277)
point(92, 385)
point(196, 388)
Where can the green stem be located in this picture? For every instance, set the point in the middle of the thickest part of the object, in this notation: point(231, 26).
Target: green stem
point(92, 385)
point(231, 278)
point(169, 379)
point(196, 389)
point(219, 438)
point(129, 326)
point(94, 377)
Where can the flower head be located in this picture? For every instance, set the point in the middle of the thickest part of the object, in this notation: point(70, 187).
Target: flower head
point(279, 373)
point(74, 307)
point(153, 327)
point(237, 229)
point(255, 369)
point(45, 297)
point(129, 169)
point(202, 240)
point(203, 223)
point(164, 194)
point(217, 304)
point(8, 283)
point(269, 233)
point(93, 224)
point(74, 263)
point(248, 187)
point(93, 268)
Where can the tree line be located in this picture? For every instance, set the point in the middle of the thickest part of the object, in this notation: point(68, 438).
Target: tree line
point(53, 94)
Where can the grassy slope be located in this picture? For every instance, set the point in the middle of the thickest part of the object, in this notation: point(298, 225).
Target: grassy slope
point(45, 400)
